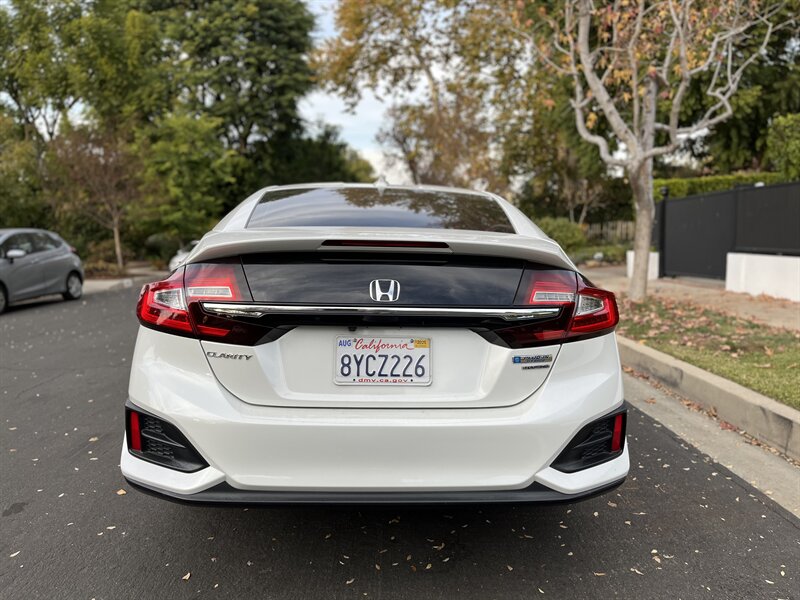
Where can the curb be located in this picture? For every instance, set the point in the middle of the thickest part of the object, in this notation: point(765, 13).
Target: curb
point(765, 419)
point(110, 285)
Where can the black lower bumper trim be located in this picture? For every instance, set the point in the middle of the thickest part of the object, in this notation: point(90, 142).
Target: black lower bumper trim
point(224, 494)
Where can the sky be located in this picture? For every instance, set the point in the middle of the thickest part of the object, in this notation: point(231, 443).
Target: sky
point(360, 127)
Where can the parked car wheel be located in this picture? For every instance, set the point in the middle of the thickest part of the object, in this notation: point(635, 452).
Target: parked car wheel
point(3, 299)
point(74, 287)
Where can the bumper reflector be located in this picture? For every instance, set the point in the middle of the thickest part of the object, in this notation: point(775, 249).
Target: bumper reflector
point(135, 439)
point(157, 441)
point(598, 442)
point(616, 437)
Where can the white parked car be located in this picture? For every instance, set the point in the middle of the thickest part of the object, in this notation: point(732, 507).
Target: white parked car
point(180, 256)
point(355, 343)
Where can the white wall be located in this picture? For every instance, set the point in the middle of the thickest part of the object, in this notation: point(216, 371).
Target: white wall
point(652, 267)
point(777, 276)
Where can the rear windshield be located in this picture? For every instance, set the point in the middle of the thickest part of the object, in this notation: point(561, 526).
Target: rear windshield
point(375, 207)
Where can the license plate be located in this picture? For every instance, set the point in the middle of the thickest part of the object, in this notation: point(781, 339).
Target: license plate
point(382, 361)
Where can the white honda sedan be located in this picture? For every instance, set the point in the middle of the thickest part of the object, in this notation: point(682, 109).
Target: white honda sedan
point(356, 343)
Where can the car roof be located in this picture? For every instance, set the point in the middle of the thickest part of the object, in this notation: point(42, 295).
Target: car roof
point(10, 230)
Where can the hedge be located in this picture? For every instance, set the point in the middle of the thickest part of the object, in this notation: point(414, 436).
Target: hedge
point(569, 235)
point(680, 188)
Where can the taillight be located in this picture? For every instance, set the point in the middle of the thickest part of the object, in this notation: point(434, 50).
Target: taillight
point(162, 305)
point(173, 305)
point(586, 311)
point(596, 311)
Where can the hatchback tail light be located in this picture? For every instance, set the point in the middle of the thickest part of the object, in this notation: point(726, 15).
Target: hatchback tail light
point(172, 305)
point(162, 305)
point(586, 311)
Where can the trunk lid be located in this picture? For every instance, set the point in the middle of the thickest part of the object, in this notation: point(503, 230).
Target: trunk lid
point(297, 367)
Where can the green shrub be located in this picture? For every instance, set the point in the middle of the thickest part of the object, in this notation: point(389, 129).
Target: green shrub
point(101, 269)
point(783, 145)
point(680, 188)
point(568, 234)
point(613, 254)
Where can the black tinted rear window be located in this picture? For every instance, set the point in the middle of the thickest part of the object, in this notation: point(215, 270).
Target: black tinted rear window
point(375, 207)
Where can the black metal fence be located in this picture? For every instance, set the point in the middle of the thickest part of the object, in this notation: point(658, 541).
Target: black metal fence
point(695, 234)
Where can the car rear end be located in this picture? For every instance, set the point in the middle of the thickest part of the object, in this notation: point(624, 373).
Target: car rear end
point(307, 363)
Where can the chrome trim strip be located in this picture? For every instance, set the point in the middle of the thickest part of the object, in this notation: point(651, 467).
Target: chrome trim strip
point(232, 309)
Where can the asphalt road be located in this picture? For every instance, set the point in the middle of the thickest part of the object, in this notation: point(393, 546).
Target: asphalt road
point(680, 527)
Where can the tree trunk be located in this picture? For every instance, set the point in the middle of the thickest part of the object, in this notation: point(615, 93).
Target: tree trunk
point(118, 245)
point(642, 187)
point(584, 210)
point(641, 176)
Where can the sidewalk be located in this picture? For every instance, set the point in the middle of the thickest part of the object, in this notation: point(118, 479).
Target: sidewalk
point(709, 293)
point(137, 275)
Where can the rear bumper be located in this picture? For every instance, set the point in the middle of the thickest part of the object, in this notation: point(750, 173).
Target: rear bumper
point(264, 454)
point(223, 494)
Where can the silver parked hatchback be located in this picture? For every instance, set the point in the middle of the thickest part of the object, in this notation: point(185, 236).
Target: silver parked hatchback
point(34, 262)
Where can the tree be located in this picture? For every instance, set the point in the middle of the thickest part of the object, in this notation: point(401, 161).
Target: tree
point(408, 50)
point(768, 89)
point(318, 156)
point(96, 175)
point(186, 169)
point(34, 66)
point(21, 203)
point(243, 63)
point(117, 66)
point(783, 145)
point(452, 145)
point(631, 64)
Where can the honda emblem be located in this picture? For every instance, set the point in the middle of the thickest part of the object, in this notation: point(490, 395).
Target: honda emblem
point(384, 290)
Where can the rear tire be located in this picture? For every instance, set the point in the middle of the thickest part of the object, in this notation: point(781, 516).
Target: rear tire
point(74, 287)
point(3, 299)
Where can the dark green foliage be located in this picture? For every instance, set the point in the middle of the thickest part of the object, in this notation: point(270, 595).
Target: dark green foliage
point(770, 88)
point(317, 158)
point(202, 94)
point(680, 188)
point(611, 253)
point(783, 146)
point(611, 201)
point(569, 235)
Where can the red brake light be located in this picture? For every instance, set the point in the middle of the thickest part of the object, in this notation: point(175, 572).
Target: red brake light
point(162, 305)
point(383, 244)
point(551, 287)
point(223, 282)
point(596, 310)
point(172, 305)
point(585, 310)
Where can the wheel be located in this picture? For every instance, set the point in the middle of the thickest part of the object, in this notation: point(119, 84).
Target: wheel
point(3, 299)
point(74, 287)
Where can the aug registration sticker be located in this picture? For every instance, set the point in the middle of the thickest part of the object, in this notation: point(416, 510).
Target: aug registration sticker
point(382, 361)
